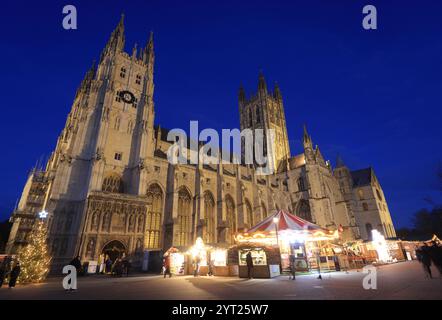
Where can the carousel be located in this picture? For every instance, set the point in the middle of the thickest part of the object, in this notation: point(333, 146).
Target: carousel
point(273, 240)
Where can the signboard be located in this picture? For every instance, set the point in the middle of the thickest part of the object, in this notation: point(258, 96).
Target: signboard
point(92, 267)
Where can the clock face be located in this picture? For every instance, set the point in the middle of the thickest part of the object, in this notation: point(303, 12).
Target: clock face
point(127, 96)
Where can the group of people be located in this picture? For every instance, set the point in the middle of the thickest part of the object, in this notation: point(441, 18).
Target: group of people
point(430, 254)
point(119, 267)
point(9, 269)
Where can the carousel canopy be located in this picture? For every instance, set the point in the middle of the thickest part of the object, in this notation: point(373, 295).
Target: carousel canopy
point(286, 221)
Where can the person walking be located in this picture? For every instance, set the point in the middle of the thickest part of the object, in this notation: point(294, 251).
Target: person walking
point(15, 272)
point(3, 272)
point(166, 266)
point(292, 261)
point(196, 269)
point(210, 268)
point(425, 259)
point(249, 263)
point(435, 253)
point(76, 262)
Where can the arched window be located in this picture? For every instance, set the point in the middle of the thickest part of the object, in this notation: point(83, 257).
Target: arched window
point(248, 213)
point(301, 184)
point(184, 218)
point(155, 211)
point(365, 206)
point(117, 123)
point(258, 115)
point(368, 228)
point(209, 218)
point(130, 127)
point(304, 210)
point(231, 219)
point(263, 210)
point(113, 183)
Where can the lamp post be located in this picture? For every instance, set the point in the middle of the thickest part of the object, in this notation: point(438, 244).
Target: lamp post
point(276, 221)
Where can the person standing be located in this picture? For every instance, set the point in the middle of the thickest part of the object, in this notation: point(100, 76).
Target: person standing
point(166, 265)
point(425, 259)
point(292, 261)
point(76, 262)
point(210, 268)
point(196, 269)
point(249, 263)
point(435, 253)
point(3, 272)
point(15, 272)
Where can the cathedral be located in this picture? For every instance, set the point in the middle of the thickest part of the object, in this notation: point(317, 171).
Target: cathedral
point(108, 182)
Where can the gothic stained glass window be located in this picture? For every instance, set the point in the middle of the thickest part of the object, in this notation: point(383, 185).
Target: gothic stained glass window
point(113, 183)
point(231, 219)
point(209, 218)
point(249, 213)
point(154, 214)
point(184, 218)
point(304, 210)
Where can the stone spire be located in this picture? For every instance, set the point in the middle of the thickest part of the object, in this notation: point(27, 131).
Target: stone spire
point(276, 92)
point(241, 95)
point(87, 80)
point(116, 41)
point(339, 162)
point(148, 53)
point(262, 85)
point(307, 140)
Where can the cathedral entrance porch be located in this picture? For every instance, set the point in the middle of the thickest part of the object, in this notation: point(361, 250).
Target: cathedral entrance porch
point(114, 249)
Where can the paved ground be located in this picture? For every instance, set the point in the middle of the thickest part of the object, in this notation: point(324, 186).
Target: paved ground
point(398, 281)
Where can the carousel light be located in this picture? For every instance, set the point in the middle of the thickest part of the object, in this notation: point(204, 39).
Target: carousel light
point(380, 246)
point(275, 219)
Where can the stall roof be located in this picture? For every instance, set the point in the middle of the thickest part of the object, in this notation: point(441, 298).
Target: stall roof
point(286, 221)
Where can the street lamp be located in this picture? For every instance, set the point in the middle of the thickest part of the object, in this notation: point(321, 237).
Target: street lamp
point(276, 221)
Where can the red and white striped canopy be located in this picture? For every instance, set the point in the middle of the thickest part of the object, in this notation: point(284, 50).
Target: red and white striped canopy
point(286, 221)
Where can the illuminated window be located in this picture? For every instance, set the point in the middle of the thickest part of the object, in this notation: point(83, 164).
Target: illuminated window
point(209, 218)
point(184, 218)
point(231, 219)
point(153, 223)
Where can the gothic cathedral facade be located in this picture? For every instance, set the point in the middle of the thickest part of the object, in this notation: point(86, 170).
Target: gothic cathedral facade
point(108, 181)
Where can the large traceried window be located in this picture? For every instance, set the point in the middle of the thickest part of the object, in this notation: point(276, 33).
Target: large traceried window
point(301, 184)
point(184, 218)
point(304, 210)
point(209, 218)
point(154, 214)
point(248, 213)
point(231, 219)
point(263, 210)
point(113, 183)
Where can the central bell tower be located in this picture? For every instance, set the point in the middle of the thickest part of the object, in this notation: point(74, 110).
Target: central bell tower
point(265, 110)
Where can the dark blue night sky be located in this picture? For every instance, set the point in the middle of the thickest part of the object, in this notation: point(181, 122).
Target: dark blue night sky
point(372, 96)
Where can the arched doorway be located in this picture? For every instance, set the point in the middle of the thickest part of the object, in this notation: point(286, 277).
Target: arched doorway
point(114, 249)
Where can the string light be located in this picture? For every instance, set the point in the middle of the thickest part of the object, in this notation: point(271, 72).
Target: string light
point(34, 257)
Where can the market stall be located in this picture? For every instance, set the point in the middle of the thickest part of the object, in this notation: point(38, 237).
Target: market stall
point(313, 247)
point(183, 260)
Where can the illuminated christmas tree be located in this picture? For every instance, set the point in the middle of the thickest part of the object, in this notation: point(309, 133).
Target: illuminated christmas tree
point(34, 257)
